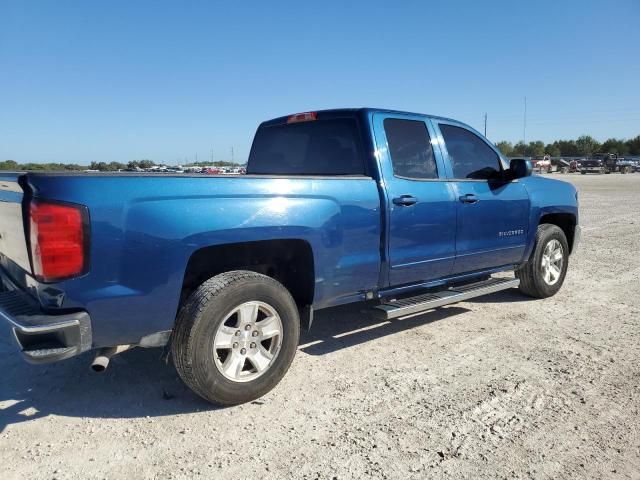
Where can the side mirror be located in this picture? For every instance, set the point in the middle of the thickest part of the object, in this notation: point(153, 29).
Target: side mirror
point(520, 168)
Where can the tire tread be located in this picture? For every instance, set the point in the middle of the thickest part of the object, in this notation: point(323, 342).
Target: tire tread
point(527, 273)
point(191, 315)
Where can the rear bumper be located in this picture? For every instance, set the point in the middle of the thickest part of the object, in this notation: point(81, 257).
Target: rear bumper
point(42, 337)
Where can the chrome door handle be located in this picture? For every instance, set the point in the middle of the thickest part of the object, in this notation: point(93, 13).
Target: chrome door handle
point(468, 198)
point(405, 200)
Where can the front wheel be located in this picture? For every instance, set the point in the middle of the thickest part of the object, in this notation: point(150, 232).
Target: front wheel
point(544, 273)
point(235, 337)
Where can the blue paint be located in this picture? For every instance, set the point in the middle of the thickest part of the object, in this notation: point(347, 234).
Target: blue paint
point(144, 229)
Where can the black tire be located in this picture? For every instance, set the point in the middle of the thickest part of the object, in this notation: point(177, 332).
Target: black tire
point(583, 173)
point(532, 282)
point(198, 321)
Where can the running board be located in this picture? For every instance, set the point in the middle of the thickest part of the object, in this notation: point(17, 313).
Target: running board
point(428, 301)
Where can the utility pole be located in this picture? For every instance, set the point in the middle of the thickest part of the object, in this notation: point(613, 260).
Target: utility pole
point(485, 124)
point(524, 129)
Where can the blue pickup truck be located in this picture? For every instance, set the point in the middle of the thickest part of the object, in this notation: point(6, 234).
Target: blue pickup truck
point(403, 211)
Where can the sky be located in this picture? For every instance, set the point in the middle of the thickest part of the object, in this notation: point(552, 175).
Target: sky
point(116, 80)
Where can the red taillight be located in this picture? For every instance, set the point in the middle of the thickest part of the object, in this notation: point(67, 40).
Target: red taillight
point(57, 240)
point(302, 117)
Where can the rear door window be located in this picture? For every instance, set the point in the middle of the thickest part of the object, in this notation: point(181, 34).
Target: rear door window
point(470, 156)
point(321, 147)
point(410, 149)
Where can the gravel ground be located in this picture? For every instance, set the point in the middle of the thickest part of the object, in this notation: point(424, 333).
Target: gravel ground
point(500, 387)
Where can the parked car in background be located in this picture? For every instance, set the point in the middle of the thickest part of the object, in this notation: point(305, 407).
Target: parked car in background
point(627, 165)
point(607, 163)
point(404, 211)
point(592, 165)
point(611, 163)
point(575, 165)
point(542, 163)
point(560, 165)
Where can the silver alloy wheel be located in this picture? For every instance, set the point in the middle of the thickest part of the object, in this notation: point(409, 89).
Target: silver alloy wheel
point(248, 341)
point(552, 260)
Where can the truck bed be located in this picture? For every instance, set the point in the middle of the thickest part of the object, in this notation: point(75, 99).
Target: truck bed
point(144, 228)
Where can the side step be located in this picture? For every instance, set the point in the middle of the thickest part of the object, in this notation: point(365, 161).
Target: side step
point(427, 301)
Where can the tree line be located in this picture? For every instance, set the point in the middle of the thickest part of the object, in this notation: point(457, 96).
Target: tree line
point(12, 165)
point(133, 165)
point(583, 146)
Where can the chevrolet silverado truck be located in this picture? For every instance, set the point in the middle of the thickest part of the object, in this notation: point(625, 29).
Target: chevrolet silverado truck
point(403, 211)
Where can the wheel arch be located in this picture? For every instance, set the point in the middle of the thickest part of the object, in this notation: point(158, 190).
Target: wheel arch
point(565, 221)
point(289, 261)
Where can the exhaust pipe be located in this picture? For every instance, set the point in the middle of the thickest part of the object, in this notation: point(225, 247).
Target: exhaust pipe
point(101, 362)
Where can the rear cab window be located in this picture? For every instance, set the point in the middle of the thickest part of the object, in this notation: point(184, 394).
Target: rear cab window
point(329, 146)
point(469, 155)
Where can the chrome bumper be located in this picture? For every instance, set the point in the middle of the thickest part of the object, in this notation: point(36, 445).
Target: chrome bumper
point(42, 337)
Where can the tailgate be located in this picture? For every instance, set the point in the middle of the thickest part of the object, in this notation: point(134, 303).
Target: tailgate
point(13, 244)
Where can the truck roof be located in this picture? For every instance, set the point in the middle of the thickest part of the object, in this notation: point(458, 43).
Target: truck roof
point(351, 112)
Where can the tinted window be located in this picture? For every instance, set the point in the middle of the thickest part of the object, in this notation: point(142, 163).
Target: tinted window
point(321, 147)
point(410, 148)
point(469, 155)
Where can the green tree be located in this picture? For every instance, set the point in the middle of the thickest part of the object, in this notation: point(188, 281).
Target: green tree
point(567, 148)
point(536, 148)
point(73, 167)
point(587, 145)
point(145, 163)
point(633, 145)
point(102, 166)
point(9, 165)
point(520, 149)
point(613, 145)
point(553, 150)
point(34, 166)
point(115, 166)
point(506, 148)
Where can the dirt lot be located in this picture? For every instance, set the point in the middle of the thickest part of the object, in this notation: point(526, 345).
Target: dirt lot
point(496, 388)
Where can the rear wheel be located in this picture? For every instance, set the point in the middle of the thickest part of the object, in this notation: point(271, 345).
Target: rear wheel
point(236, 337)
point(544, 273)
